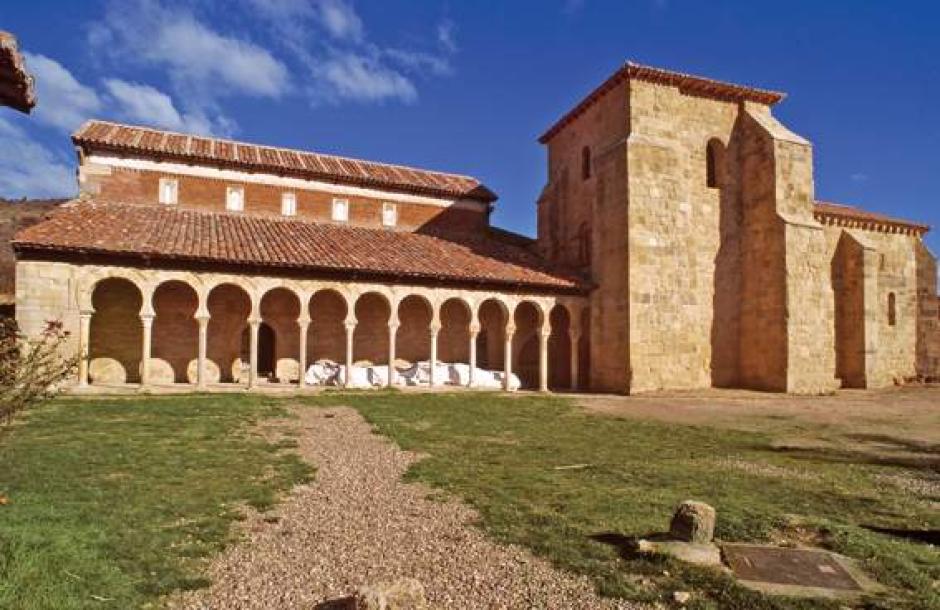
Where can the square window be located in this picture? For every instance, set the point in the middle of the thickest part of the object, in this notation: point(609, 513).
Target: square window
point(389, 214)
point(235, 198)
point(341, 210)
point(288, 204)
point(169, 190)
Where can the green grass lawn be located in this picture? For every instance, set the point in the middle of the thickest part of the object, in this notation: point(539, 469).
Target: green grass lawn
point(115, 502)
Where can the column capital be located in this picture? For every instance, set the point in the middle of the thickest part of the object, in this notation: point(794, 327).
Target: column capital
point(574, 335)
point(202, 318)
point(545, 334)
point(255, 321)
point(510, 330)
point(475, 329)
point(434, 328)
point(147, 318)
point(303, 322)
point(350, 325)
point(86, 314)
point(394, 325)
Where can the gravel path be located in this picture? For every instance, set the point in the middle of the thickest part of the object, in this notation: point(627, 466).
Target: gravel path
point(358, 523)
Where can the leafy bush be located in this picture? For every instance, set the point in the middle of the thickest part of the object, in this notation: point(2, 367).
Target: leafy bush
point(31, 369)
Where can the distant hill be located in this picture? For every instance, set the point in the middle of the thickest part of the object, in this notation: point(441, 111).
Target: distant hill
point(15, 215)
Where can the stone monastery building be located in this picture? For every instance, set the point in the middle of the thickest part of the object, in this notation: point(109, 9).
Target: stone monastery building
point(679, 245)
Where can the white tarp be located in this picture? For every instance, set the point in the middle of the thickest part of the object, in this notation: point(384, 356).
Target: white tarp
point(327, 373)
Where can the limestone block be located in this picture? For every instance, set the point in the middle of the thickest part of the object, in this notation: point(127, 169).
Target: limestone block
point(106, 370)
point(287, 369)
point(402, 594)
point(161, 371)
point(693, 522)
point(212, 371)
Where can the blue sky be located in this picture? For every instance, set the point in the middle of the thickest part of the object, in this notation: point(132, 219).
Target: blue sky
point(468, 86)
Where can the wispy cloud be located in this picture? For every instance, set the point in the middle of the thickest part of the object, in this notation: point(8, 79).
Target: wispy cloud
point(330, 42)
point(28, 169)
point(859, 177)
point(145, 104)
point(63, 101)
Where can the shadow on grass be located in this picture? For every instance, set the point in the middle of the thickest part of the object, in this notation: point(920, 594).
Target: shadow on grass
point(931, 537)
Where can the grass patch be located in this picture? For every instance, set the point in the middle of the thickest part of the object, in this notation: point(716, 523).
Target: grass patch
point(113, 503)
point(502, 454)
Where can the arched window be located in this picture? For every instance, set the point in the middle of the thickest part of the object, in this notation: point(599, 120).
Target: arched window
point(585, 163)
point(892, 309)
point(713, 158)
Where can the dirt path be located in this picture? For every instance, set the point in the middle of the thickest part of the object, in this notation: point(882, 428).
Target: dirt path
point(358, 523)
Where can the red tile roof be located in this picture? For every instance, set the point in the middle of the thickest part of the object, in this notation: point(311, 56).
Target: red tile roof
point(827, 212)
point(16, 84)
point(149, 143)
point(163, 233)
point(687, 83)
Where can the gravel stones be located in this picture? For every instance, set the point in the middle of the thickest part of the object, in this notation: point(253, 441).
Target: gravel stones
point(359, 523)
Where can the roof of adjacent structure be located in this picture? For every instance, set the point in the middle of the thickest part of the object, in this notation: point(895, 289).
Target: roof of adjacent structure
point(687, 83)
point(167, 234)
point(839, 213)
point(167, 145)
point(16, 84)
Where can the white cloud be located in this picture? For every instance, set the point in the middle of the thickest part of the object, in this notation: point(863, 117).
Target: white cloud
point(63, 102)
point(446, 37)
point(859, 177)
point(340, 19)
point(28, 169)
point(361, 78)
point(202, 65)
point(145, 104)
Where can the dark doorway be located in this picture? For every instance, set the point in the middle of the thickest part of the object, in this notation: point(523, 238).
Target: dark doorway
point(265, 351)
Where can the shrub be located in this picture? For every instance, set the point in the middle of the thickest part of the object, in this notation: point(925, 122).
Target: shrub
point(31, 370)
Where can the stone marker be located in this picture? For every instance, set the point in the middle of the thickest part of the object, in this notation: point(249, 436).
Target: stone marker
point(693, 522)
point(401, 594)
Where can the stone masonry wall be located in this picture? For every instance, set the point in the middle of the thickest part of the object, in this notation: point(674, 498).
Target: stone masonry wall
point(571, 204)
point(683, 277)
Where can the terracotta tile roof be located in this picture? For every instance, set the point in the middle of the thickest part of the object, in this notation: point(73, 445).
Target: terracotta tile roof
point(687, 83)
point(143, 141)
point(16, 84)
point(836, 213)
point(163, 233)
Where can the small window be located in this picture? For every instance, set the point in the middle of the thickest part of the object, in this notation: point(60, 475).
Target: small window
point(892, 309)
point(389, 214)
point(289, 204)
point(169, 190)
point(340, 210)
point(713, 155)
point(235, 198)
point(585, 163)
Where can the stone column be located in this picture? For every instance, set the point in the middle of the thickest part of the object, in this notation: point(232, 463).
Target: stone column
point(254, 325)
point(392, 336)
point(474, 332)
point(84, 346)
point(543, 359)
point(350, 330)
point(302, 325)
point(507, 359)
point(146, 321)
point(575, 339)
point(203, 321)
point(434, 330)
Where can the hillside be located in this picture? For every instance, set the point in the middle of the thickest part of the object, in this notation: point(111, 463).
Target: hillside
point(15, 215)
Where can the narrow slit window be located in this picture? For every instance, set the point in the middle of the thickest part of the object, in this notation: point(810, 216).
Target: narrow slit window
point(235, 198)
point(341, 210)
point(169, 191)
point(585, 163)
point(289, 204)
point(892, 309)
point(713, 159)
